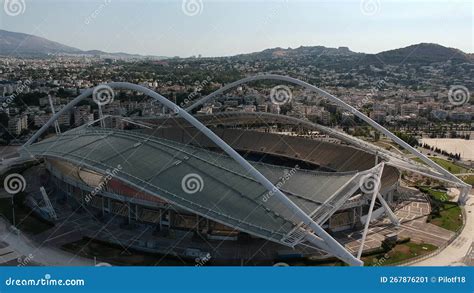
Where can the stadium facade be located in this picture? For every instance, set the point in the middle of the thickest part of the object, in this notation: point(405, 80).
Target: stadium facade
point(188, 173)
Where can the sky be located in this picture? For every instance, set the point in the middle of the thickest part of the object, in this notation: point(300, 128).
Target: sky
point(222, 28)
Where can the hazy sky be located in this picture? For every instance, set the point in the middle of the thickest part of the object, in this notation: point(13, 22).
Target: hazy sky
point(217, 28)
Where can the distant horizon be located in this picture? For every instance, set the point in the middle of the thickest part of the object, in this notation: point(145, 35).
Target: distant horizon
point(243, 53)
point(214, 28)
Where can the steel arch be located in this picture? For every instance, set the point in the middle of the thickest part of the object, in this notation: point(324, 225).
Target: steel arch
point(320, 238)
point(339, 102)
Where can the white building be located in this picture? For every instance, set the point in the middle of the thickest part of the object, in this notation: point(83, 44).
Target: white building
point(17, 124)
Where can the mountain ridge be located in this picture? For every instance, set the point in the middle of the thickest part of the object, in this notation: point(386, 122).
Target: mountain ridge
point(26, 45)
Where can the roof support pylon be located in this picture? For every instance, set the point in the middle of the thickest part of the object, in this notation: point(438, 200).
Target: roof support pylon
point(101, 116)
point(375, 192)
point(391, 215)
point(464, 195)
point(56, 124)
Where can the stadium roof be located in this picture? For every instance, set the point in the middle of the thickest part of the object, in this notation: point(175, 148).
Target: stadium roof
point(279, 208)
point(394, 159)
point(229, 194)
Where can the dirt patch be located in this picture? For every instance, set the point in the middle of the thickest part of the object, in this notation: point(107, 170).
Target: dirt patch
point(402, 248)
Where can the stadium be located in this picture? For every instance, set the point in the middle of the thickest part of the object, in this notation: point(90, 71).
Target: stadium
point(226, 179)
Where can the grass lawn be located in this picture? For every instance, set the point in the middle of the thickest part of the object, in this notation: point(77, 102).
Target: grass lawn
point(399, 253)
point(468, 179)
point(448, 165)
point(444, 213)
point(435, 194)
point(451, 167)
point(449, 217)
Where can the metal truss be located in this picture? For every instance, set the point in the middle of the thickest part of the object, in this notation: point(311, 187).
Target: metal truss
point(375, 192)
point(318, 237)
point(313, 232)
point(464, 188)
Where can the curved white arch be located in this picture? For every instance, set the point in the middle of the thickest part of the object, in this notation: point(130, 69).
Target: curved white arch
point(343, 105)
point(322, 239)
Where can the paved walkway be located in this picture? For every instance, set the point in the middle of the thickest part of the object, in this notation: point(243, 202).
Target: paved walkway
point(18, 250)
point(413, 217)
point(461, 251)
point(412, 211)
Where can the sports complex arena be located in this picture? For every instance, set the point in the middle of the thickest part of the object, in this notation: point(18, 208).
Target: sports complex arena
point(229, 179)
